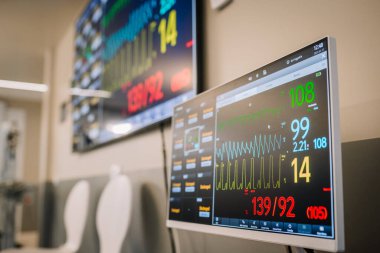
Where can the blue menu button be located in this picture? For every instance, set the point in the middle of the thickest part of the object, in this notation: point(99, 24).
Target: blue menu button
point(254, 224)
point(290, 227)
point(243, 223)
point(304, 228)
point(322, 230)
point(225, 221)
point(234, 222)
point(265, 225)
point(277, 226)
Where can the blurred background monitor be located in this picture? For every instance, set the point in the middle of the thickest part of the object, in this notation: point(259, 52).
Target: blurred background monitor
point(135, 60)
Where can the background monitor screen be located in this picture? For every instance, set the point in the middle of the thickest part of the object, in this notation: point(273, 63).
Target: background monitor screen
point(135, 60)
point(260, 155)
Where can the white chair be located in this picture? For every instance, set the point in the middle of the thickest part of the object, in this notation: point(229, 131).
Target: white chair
point(75, 216)
point(114, 214)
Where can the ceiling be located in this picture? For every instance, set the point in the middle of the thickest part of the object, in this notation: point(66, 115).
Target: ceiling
point(27, 29)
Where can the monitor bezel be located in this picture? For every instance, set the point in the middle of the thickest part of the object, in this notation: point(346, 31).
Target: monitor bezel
point(328, 244)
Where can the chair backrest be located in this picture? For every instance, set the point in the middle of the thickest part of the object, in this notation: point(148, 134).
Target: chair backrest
point(114, 214)
point(75, 215)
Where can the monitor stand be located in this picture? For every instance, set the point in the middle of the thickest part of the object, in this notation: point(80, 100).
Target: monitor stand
point(301, 250)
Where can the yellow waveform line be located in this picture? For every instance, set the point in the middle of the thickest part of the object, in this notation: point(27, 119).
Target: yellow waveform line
point(227, 178)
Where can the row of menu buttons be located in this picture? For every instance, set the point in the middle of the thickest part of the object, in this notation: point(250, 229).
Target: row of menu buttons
point(320, 230)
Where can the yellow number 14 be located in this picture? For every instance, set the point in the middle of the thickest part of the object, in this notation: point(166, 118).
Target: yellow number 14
point(304, 171)
point(168, 31)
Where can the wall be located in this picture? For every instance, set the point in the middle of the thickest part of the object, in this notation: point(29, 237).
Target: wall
point(245, 35)
point(29, 69)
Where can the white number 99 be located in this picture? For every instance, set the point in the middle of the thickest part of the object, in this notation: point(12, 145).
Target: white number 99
point(300, 125)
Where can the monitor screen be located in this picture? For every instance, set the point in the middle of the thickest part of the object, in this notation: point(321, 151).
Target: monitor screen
point(260, 155)
point(135, 60)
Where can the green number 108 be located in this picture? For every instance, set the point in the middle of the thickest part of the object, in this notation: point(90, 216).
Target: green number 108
point(302, 94)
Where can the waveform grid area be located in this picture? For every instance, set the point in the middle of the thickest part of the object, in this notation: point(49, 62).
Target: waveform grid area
point(249, 118)
point(228, 179)
point(259, 145)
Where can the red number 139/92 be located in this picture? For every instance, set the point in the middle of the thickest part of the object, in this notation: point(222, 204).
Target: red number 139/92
point(280, 205)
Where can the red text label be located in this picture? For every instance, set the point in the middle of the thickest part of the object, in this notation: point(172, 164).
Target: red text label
point(145, 93)
point(316, 213)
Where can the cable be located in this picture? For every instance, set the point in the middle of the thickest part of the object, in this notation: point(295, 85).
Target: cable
point(162, 128)
point(164, 155)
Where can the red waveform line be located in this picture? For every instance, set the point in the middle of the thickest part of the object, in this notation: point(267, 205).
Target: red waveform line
point(326, 189)
point(189, 43)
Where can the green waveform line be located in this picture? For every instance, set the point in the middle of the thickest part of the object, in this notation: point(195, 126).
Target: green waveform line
point(260, 145)
point(227, 178)
point(248, 118)
point(115, 9)
point(137, 21)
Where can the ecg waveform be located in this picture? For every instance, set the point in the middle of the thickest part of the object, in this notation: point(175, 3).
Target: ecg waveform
point(237, 177)
point(258, 146)
point(248, 118)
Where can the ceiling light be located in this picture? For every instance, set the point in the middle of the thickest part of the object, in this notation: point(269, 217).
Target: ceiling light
point(23, 86)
